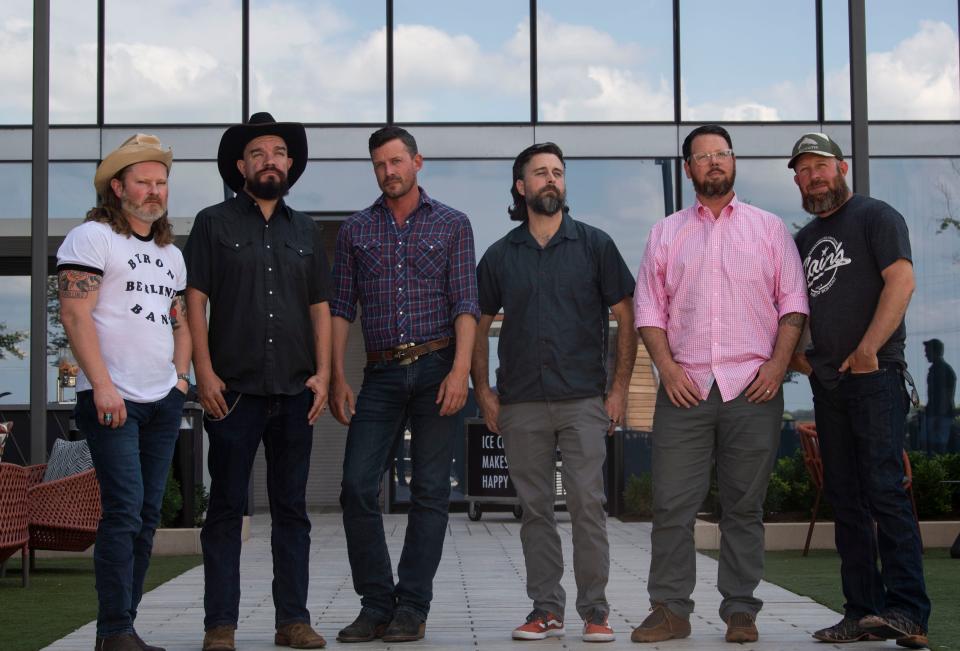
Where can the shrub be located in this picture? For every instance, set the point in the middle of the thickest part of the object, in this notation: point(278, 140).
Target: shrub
point(201, 499)
point(638, 495)
point(172, 502)
point(932, 495)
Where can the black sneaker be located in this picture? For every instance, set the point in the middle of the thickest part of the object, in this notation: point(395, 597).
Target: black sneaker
point(896, 626)
point(365, 628)
point(405, 627)
point(846, 630)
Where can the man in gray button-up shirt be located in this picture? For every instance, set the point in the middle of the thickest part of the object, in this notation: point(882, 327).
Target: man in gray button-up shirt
point(557, 281)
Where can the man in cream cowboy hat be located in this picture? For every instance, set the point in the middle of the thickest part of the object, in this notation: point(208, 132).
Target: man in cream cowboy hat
point(121, 285)
point(262, 364)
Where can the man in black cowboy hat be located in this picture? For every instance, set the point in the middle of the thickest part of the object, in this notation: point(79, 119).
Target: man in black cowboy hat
point(262, 366)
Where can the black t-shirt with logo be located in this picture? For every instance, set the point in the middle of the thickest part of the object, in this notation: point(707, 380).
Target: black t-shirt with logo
point(843, 256)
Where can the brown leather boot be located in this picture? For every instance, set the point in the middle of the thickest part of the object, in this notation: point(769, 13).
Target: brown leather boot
point(661, 624)
point(299, 635)
point(741, 628)
point(219, 638)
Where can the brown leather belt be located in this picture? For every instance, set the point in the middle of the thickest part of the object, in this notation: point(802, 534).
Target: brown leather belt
point(408, 353)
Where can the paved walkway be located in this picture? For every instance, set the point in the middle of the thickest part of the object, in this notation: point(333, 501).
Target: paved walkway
point(479, 595)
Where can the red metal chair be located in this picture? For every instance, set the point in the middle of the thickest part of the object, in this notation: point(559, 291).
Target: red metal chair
point(63, 513)
point(810, 443)
point(14, 533)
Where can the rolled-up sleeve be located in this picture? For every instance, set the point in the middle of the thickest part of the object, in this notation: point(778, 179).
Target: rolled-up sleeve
point(344, 301)
point(462, 276)
point(650, 302)
point(792, 285)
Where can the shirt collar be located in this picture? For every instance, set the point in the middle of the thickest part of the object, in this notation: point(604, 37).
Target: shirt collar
point(249, 201)
point(730, 209)
point(567, 231)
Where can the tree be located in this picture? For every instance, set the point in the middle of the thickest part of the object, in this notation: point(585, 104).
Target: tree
point(9, 342)
point(56, 337)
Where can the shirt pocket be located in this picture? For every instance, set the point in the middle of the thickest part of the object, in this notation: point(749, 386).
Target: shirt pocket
point(368, 254)
point(236, 254)
point(298, 257)
point(431, 258)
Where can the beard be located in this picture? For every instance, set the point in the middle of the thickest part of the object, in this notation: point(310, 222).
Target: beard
point(548, 201)
point(148, 212)
point(268, 189)
point(835, 196)
point(399, 189)
point(714, 187)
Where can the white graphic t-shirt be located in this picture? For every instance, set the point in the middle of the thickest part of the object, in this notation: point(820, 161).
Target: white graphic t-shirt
point(132, 315)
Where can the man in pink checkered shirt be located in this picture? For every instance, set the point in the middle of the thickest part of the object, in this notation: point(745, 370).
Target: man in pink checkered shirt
point(720, 304)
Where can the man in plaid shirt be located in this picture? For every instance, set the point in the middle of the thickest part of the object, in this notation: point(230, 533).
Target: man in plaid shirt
point(410, 262)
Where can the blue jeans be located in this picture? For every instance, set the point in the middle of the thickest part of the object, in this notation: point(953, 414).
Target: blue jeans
point(132, 462)
point(391, 394)
point(281, 422)
point(861, 427)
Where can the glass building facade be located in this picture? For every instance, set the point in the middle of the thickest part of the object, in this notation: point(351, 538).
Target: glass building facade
point(616, 83)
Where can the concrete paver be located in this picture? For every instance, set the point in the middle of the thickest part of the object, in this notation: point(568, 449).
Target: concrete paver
point(479, 595)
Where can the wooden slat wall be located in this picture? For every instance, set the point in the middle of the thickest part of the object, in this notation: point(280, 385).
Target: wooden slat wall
point(643, 392)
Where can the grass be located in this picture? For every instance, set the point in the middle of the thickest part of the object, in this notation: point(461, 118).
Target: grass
point(61, 598)
point(818, 576)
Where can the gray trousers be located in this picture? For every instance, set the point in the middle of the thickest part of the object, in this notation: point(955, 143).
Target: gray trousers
point(743, 438)
point(532, 431)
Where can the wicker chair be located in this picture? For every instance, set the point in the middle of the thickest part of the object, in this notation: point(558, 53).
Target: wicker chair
point(14, 534)
point(64, 513)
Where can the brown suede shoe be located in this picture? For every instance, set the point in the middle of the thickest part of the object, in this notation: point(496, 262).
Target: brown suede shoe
point(741, 628)
point(121, 642)
point(661, 624)
point(219, 638)
point(299, 635)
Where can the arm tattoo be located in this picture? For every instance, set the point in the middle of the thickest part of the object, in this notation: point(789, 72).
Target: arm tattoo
point(78, 284)
point(794, 319)
point(178, 311)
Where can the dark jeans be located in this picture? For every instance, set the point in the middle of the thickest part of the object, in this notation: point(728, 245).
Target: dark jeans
point(281, 422)
point(391, 394)
point(132, 462)
point(861, 427)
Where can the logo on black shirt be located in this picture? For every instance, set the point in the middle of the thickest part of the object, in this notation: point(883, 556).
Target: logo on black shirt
point(821, 264)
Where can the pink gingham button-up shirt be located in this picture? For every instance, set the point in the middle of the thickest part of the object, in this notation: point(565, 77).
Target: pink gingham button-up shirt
point(719, 288)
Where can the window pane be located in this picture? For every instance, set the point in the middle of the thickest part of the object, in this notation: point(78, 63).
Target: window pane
point(611, 65)
point(335, 186)
point(193, 187)
point(177, 63)
point(926, 192)
point(15, 322)
point(836, 61)
point(73, 61)
point(750, 60)
point(912, 60)
point(452, 69)
point(319, 62)
point(70, 195)
point(16, 52)
point(15, 207)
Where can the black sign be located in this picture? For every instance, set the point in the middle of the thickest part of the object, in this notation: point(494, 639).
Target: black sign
point(487, 474)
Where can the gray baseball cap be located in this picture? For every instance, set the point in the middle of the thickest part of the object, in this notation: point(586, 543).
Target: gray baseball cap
point(815, 143)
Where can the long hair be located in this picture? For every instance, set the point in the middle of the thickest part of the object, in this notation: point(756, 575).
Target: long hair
point(518, 211)
point(108, 211)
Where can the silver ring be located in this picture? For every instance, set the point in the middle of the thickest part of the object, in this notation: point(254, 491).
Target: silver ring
point(767, 391)
point(108, 418)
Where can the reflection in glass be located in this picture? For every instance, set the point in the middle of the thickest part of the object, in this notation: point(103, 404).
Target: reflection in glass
point(754, 60)
point(319, 61)
point(836, 61)
point(15, 207)
point(71, 192)
point(335, 186)
point(611, 65)
point(926, 192)
point(15, 318)
point(913, 60)
point(448, 69)
point(16, 52)
point(73, 61)
point(178, 63)
point(193, 187)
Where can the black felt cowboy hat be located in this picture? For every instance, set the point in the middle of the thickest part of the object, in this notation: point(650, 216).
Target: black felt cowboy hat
point(261, 124)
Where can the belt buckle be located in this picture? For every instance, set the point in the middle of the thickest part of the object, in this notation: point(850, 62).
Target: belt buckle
point(402, 357)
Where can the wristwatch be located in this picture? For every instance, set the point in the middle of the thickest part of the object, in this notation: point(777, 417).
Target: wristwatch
point(184, 377)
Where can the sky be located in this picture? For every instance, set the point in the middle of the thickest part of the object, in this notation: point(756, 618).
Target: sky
point(324, 61)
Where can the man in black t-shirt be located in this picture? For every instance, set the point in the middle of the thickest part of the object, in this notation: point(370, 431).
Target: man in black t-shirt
point(857, 261)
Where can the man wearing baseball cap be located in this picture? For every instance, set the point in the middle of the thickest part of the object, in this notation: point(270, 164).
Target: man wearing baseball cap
point(857, 261)
point(263, 367)
point(121, 284)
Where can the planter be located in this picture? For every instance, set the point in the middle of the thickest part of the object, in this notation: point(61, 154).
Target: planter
point(791, 535)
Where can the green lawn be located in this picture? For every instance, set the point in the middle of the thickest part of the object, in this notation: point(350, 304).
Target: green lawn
point(62, 598)
point(818, 577)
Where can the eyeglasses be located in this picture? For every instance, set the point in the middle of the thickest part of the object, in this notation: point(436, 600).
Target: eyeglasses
point(720, 156)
